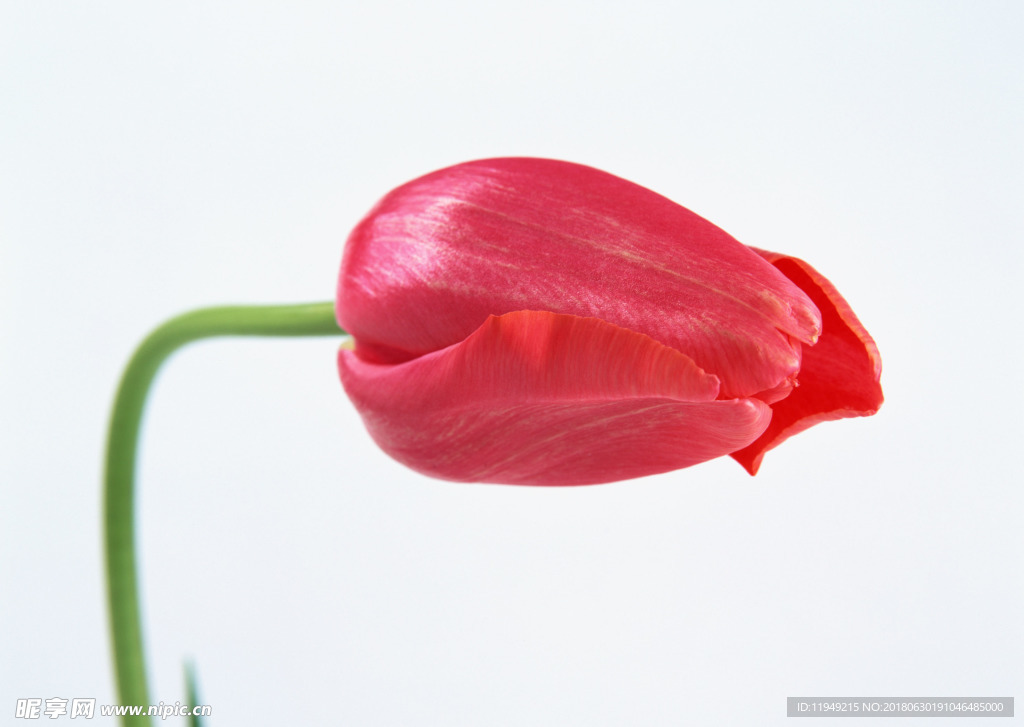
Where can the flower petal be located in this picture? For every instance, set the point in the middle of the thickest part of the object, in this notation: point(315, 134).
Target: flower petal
point(839, 376)
point(540, 398)
point(501, 235)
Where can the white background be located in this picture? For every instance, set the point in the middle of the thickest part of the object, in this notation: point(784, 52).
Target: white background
point(158, 157)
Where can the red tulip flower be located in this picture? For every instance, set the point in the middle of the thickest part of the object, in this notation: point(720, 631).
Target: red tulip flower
point(535, 322)
point(531, 321)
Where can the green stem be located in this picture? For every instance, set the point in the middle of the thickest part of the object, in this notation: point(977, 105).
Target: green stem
point(314, 319)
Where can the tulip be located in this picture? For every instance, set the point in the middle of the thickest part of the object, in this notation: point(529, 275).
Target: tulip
point(530, 321)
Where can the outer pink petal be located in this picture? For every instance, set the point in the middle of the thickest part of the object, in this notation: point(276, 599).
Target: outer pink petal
point(438, 255)
point(538, 398)
point(840, 374)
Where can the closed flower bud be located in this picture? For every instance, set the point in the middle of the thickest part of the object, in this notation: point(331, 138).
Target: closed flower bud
point(530, 321)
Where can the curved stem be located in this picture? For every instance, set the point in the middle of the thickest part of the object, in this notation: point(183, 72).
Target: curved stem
point(314, 319)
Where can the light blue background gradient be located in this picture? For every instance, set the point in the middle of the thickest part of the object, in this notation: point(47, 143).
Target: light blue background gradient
point(163, 156)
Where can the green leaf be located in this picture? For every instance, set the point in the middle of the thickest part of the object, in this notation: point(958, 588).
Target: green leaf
point(192, 694)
